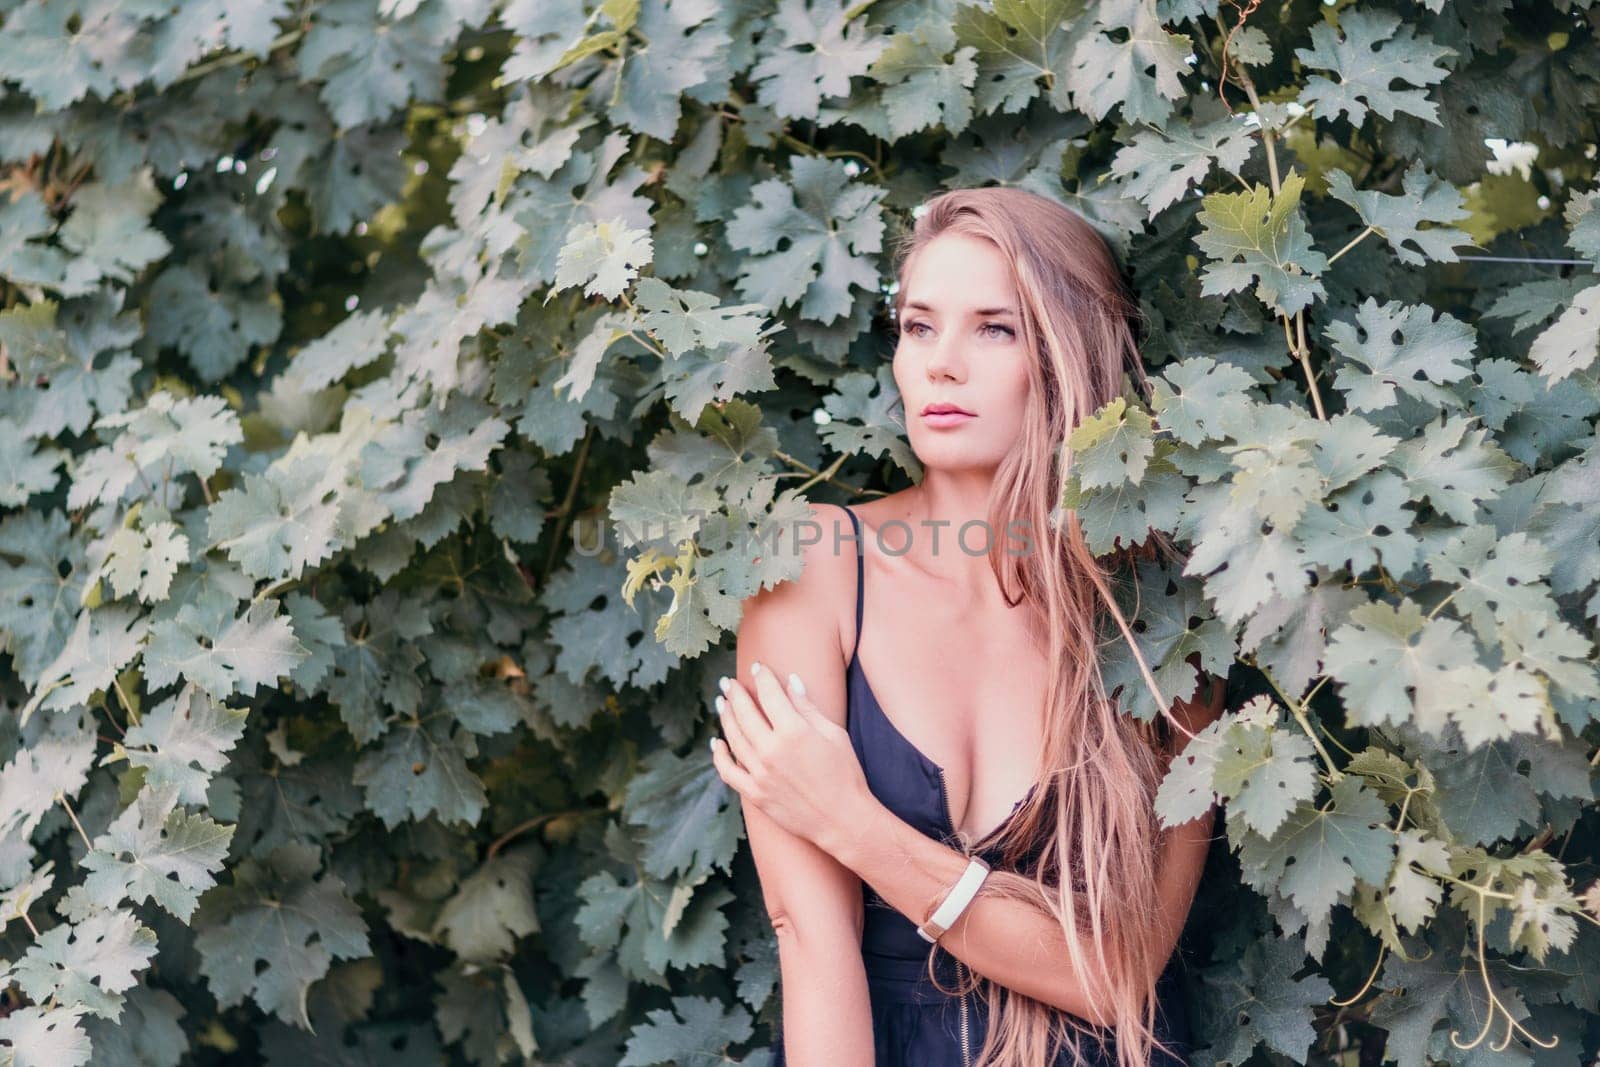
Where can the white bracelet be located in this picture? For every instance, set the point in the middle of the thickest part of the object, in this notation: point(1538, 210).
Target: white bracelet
point(961, 894)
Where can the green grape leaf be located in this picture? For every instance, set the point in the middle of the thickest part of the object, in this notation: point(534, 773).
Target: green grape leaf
point(1399, 219)
point(1257, 237)
point(101, 644)
point(1318, 854)
point(1400, 349)
point(223, 653)
point(90, 963)
point(694, 1030)
point(1454, 468)
point(156, 850)
point(858, 421)
point(59, 53)
point(1254, 999)
point(59, 387)
point(1571, 343)
point(109, 227)
point(685, 48)
point(184, 741)
point(57, 761)
point(42, 591)
point(276, 930)
point(354, 343)
point(491, 908)
point(1361, 525)
point(812, 52)
point(603, 257)
point(633, 919)
point(365, 169)
point(1264, 774)
point(1139, 71)
point(1187, 791)
point(25, 468)
point(1479, 793)
point(140, 562)
point(371, 65)
point(1112, 446)
point(1388, 659)
point(216, 328)
point(1158, 166)
point(44, 1036)
point(1493, 576)
point(1199, 398)
point(1243, 565)
point(691, 821)
point(1413, 892)
point(1446, 985)
point(487, 1012)
point(927, 79)
point(1018, 42)
point(1374, 51)
point(407, 462)
point(167, 437)
point(23, 258)
point(147, 1032)
point(810, 239)
point(286, 519)
point(421, 770)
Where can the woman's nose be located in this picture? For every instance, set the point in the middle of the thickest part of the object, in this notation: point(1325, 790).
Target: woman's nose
point(946, 361)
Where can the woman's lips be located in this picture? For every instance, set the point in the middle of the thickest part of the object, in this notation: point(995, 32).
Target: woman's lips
point(943, 419)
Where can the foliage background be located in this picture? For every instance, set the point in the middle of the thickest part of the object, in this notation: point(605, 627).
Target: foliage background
point(327, 324)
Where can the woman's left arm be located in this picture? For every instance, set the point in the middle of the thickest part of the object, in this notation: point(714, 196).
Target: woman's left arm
point(1011, 941)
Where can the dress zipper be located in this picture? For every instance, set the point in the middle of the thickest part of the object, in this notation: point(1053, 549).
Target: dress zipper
point(966, 1049)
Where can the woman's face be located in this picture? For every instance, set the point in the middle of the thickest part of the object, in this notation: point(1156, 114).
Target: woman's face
point(960, 343)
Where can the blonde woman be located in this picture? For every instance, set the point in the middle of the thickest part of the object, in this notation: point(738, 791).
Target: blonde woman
point(919, 733)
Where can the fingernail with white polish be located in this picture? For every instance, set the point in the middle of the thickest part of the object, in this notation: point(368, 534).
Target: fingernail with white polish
point(796, 684)
point(722, 684)
point(755, 668)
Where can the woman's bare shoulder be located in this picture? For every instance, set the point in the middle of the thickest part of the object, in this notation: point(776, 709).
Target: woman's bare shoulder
point(822, 592)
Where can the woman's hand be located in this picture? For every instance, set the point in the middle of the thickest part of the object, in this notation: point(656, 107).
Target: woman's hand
point(781, 754)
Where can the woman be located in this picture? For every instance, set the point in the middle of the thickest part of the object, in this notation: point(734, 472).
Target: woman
point(865, 802)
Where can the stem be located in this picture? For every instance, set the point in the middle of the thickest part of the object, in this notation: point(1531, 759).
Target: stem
point(565, 511)
point(1440, 605)
point(1358, 994)
point(74, 817)
point(1305, 362)
point(523, 827)
point(825, 476)
point(202, 69)
point(833, 468)
point(127, 706)
point(1301, 350)
point(1299, 711)
point(1357, 239)
point(274, 589)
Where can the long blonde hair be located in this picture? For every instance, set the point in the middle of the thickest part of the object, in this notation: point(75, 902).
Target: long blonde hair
point(1095, 804)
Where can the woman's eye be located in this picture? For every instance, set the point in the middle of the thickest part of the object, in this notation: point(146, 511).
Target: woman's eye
point(1003, 331)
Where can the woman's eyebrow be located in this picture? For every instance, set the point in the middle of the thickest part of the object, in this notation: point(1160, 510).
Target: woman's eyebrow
point(986, 312)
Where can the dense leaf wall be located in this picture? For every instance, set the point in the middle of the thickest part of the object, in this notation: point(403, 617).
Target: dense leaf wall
point(336, 332)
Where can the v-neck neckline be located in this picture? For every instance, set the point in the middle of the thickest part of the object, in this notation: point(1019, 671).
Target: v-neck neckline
point(949, 819)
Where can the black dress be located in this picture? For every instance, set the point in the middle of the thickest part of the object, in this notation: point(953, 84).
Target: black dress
point(913, 1024)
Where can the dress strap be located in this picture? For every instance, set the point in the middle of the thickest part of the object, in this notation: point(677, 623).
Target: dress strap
point(855, 524)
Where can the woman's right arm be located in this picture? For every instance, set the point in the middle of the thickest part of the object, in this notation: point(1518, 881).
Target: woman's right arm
point(813, 901)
